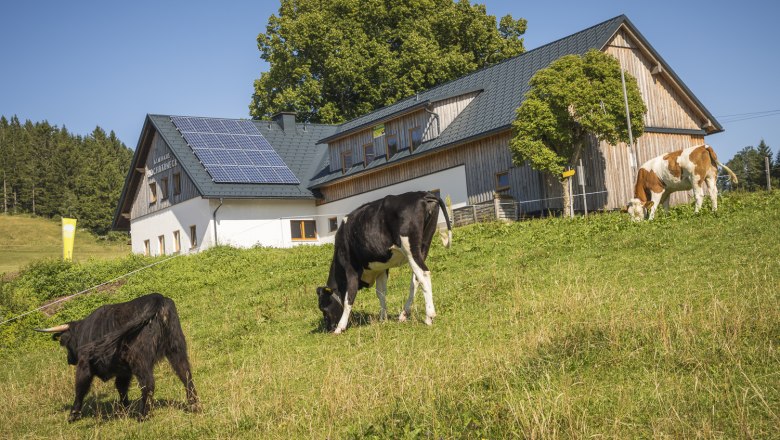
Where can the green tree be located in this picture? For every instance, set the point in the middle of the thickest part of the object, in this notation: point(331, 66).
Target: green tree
point(334, 60)
point(573, 98)
point(764, 151)
point(776, 171)
point(748, 165)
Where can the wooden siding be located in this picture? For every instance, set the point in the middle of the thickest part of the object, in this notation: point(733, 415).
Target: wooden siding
point(447, 110)
point(665, 103)
point(160, 156)
point(479, 158)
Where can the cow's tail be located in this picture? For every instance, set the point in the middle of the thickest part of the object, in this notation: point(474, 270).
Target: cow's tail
point(447, 242)
point(714, 158)
point(101, 351)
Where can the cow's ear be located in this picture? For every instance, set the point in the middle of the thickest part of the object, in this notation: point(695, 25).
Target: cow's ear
point(649, 204)
point(323, 291)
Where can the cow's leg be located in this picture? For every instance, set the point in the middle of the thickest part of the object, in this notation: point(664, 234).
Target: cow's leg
point(349, 300)
point(665, 200)
point(656, 199)
point(83, 382)
point(381, 292)
point(712, 188)
point(177, 357)
point(407, 311)
point(421, 272)
point(698, 193)
point(122, 384)
point(145, 376)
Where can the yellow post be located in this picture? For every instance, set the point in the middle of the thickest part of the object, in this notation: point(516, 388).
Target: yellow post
point(68, 236)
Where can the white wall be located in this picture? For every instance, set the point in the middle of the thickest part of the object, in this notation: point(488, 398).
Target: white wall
point(450, 182)
point(261, 222)
point(178, 217)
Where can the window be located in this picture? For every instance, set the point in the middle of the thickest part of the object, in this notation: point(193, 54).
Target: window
point(415, 137)
point(176, 184)
point(147, 248)
point(161, 241)
point(302, 230)
point(152, 193)
point(391, 142)
point(368, 153)
point(176, 242)
point(163, 188)
point(193, 237)
point(333, 224)
point(346, 160)
point(502, 181)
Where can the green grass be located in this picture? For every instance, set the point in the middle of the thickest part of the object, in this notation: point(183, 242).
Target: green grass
point(24, 239)
point(550, 328)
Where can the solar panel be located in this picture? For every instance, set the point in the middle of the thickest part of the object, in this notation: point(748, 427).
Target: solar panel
point(233, 151)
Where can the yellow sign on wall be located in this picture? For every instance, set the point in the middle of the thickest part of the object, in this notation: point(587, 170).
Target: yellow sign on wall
point(568, 173)
point(68, 237)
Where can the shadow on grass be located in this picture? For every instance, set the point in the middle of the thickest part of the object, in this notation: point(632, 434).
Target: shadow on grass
point(356, 319)
point(104, 410)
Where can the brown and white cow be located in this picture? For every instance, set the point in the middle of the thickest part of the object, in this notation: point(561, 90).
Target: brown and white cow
point(680, 170)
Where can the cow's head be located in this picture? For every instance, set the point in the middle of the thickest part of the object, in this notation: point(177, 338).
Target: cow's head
point(62, 333)
point(331, 305)
point(638, 210)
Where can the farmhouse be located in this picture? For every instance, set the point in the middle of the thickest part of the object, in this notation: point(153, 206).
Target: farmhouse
point(197, 182)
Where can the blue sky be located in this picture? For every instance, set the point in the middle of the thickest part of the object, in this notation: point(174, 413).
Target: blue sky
point(87, 63)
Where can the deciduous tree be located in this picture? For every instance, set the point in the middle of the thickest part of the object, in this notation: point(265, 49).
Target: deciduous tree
point(571, 99)
point(334, 60)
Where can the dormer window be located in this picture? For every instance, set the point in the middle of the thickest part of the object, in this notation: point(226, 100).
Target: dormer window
point(346, 160)
point(415, 137)
point(391, 142)
point(368, 153)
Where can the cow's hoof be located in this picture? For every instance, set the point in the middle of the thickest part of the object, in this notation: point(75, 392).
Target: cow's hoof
point(402, 317)
point(74, 416)
point(337, 331)
point(195, 407)
point(429, 320)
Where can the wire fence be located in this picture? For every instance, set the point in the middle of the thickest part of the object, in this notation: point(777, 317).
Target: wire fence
point(66, 298)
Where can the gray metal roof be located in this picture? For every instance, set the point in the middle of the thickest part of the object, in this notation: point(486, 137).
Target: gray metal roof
point(298, 147)
point(503, 87)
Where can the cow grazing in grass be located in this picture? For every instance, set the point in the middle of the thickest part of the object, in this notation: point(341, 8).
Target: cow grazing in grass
point(375, 237)
point(680, 170)
point(125, 340)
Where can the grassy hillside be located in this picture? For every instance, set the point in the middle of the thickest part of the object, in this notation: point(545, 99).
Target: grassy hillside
point(24, 239)
point(546, 329)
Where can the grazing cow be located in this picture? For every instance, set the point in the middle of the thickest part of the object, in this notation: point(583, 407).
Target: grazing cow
point(679, 170)
point(125, 340)
point(373, 238)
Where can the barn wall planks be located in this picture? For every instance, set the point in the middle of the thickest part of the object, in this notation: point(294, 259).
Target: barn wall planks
point(160, 164)
point(665, 102)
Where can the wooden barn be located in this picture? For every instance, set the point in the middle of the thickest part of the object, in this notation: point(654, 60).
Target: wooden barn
point(453, 138)
point(466, 124)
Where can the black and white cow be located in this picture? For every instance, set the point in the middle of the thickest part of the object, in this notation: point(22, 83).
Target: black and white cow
point(375, 237)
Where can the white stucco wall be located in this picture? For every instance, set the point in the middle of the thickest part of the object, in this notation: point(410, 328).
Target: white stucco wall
point(247, 223)
point(179, 217)
point(450, 182)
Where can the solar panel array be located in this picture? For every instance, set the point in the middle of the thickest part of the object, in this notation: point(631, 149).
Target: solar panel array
point(233, 151)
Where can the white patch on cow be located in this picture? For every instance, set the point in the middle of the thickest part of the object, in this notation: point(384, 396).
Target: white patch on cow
point(636, 210)
point(344, 316)
point(424, 278)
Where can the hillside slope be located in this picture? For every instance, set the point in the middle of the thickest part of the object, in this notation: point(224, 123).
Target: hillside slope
point(24, 239)
point(546, 329)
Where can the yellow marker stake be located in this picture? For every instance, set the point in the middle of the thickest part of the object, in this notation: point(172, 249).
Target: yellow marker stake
point(568, 173)
point(68, 237)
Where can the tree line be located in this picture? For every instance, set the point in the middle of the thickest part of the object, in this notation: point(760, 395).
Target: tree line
point(750, 167)
point(48, 171)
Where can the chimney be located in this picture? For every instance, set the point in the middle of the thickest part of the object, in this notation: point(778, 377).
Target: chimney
point(286, 120)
